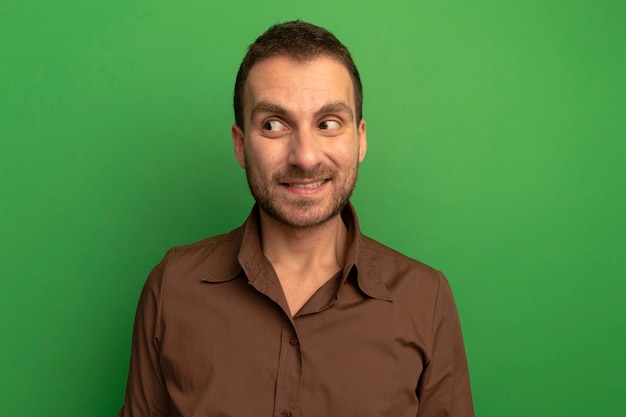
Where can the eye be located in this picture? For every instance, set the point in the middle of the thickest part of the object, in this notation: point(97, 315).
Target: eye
point(274, 126)
point(329, 125)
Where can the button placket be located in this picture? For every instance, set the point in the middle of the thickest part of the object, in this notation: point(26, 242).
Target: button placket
point(289, 377)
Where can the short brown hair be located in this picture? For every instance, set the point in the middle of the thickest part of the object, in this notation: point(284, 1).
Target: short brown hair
point(301, 41)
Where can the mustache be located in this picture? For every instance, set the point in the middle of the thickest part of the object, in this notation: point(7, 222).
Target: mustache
point(293, 174)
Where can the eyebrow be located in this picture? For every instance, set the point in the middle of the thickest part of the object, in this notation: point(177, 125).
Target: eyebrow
point(335, 107)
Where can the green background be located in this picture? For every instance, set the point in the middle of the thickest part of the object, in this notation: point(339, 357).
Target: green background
point(497, 153)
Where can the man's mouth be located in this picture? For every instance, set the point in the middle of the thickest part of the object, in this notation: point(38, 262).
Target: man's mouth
point(307, 185)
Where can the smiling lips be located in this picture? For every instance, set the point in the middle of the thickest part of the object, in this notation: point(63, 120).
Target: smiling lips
point(308, 185)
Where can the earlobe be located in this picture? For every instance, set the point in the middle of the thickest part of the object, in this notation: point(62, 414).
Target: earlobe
point(362, 132)
point(238, 145)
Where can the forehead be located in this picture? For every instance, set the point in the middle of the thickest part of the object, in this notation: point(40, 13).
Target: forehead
point(298, 85)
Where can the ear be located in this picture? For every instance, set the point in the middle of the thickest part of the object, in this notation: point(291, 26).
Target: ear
point(362, 133)
point(238, 145)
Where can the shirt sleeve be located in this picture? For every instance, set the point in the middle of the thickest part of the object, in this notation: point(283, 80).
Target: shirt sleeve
point(146, 394)
point(444, 387)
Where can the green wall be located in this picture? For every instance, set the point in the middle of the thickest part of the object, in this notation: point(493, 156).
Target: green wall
point(497, 153)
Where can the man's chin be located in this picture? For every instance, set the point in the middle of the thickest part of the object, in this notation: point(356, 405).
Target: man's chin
point(301, 218)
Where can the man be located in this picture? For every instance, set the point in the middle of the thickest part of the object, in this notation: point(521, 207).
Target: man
point(296, 313)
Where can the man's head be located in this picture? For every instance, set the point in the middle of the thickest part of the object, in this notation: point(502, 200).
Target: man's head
point(301, 137)
point(300, 41)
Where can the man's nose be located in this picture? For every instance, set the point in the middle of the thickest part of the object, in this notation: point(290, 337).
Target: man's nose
point(304, 150)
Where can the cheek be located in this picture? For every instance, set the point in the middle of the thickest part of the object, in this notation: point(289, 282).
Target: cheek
point(264, 157)
point(347, 154)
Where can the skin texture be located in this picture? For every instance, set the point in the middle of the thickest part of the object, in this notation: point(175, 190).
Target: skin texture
point(300, 145)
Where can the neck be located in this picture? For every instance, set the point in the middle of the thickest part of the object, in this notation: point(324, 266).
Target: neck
point(322, 247)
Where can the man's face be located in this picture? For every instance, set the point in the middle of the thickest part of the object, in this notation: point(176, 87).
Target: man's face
point(302, 146)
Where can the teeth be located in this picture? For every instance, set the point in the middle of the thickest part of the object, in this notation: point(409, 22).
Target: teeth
point(310, 185)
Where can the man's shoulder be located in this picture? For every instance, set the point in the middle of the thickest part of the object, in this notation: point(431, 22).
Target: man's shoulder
point(225, 241)
point(215, 253)
point(374, 249)
point(394, 267)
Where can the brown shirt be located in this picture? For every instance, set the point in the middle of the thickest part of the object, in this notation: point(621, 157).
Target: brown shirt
point(214, 337)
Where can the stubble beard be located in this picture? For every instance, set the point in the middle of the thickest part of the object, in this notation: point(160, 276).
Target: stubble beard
point(300, 212)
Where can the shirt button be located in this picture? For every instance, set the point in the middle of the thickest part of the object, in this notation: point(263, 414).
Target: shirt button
point(293, 341)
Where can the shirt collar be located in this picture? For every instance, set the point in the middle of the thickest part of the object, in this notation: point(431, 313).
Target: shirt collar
point(367, 272)
point(250, 258)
